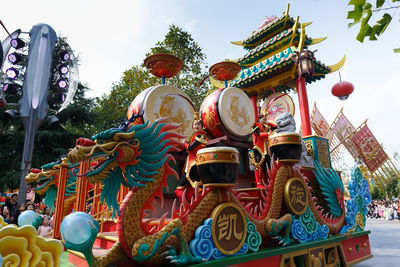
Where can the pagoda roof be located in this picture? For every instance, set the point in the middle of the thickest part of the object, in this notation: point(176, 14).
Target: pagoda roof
point(276, 25)
point(286, 37)
point(278, 71)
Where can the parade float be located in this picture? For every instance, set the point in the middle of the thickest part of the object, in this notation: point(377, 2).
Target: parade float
point(230, 184)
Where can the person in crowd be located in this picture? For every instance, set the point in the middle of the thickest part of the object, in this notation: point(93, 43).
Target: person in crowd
point(45, 229)
point(13, 208)
point(29, 207)
point(6, 215)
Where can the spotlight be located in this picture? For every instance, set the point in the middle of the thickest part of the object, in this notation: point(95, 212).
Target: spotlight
point(15, 58)
point(62, 83)
point(63, 69)
point(12, 73)
point(64, 55)
point(17, 43)
point(11, 88)
point(59, 97)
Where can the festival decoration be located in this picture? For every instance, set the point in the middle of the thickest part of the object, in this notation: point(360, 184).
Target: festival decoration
point(356, 213)
point(230, 214)
point(342, 90)
point(29, 217)
point(23, 247)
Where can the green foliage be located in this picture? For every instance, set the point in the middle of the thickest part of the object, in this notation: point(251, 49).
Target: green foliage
point(112, 108)
point(180, 43)
point(362, 14)
point(51, 140)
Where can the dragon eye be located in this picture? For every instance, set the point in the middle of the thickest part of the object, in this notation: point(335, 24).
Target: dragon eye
point(100, 141)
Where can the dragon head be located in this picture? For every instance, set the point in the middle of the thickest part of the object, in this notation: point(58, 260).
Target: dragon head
point(44, 178)
point(130, 156)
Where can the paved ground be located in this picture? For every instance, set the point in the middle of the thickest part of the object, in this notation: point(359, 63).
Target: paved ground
point(385, 242)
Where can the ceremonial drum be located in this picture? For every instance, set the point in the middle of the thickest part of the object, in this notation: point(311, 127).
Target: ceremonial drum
point(218, 166)
point(165, 101)
point(285, 146)
point(232, 109)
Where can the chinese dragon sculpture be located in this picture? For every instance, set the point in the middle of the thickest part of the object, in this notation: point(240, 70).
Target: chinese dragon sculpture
point(46, 180)
point(138, 156)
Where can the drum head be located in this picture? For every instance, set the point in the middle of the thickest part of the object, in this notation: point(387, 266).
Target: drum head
point(236, 111)
point(166, 101)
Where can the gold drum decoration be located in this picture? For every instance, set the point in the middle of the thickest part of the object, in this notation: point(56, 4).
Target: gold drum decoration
point(231, 109)
point(296, 197)
point(218, 166)
point(228, 228)
point(164, 101)
point(285, 146)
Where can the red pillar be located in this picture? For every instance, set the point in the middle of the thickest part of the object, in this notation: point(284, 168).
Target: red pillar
point(81, 188)
point(59, 213)
point(303, 103)
point(253, 100)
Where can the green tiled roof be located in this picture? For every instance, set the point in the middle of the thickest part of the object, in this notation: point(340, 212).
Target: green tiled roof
point(275, 25)
point(267, 47)
point(272, 66)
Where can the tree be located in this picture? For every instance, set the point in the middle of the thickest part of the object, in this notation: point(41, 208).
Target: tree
point(363, 12)
point(113, 107)
point(51, 140)
point(180, 43)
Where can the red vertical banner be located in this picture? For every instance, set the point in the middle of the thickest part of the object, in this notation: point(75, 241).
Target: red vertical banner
point(342, 130)
point(320, 124)
point(369, 148)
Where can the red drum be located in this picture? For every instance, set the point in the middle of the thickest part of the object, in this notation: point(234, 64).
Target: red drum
point(163, 101)
point(231, 108)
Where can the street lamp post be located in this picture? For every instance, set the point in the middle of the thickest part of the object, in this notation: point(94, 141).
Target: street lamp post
point(33, 104)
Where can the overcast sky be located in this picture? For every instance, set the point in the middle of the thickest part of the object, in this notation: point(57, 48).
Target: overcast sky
point(112, 36)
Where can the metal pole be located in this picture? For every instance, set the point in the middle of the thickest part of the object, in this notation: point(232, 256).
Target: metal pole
point(26, 161)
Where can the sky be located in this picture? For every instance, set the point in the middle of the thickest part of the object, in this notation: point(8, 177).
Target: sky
point(111, 36)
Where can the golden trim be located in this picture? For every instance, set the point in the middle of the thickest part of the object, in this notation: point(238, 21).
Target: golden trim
point(217, 149)
point(215, 214)
point(338, 65)
point(217, 161)
point(109, 238)
point(220, 185)
point(287, 195)
point(317, 40)
point(315, 135)
point(360, 260)
point(249, 198)
point(250, 189)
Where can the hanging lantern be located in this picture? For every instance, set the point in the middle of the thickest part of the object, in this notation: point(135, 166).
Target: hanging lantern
point(342, 90)
point(305, 63)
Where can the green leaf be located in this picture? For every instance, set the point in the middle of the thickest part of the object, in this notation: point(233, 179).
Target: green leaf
point(352, 24)
point(396, 50)
point(379, 3)
point(382, 24)
point(365, 30)
point(357, 2)
point(367, 6)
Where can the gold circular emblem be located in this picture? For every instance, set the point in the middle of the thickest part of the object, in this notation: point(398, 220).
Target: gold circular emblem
point(229, 228)
point(296, 196)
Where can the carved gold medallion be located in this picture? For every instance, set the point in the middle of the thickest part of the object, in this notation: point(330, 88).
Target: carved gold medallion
point(229, 228)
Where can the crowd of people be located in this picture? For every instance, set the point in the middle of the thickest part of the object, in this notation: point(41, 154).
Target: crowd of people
point(388, 209)
point(11, 211)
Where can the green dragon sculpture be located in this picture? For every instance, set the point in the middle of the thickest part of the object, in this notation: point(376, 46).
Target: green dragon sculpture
point(46, 181)
point(138, 157)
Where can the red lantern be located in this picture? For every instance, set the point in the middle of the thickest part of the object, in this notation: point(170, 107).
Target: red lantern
point(342, 90)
